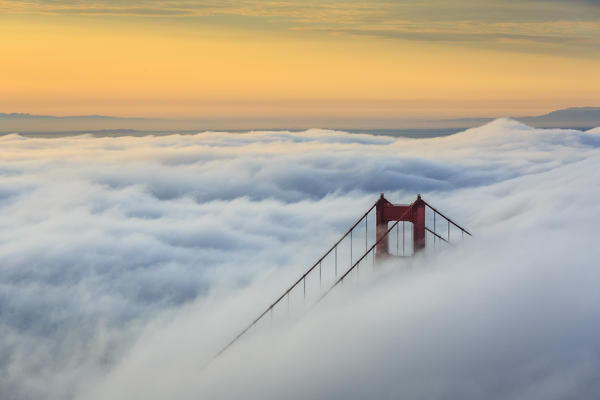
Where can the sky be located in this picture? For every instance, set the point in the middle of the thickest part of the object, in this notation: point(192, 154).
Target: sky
point(128, 262)
point(299, 59)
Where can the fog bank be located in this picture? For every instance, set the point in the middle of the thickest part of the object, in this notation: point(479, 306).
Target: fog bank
point(127, 262)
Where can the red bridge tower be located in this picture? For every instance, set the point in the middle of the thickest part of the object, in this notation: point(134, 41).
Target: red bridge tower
point(413, 213)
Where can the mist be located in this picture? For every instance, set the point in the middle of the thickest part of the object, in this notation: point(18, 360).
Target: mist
point(128, 262)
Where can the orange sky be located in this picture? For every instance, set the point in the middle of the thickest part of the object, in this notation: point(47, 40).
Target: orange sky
point(286, 58)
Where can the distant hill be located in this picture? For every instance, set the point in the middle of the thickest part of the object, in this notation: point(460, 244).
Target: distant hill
point(568, 117)
point(33, 116)
point(27, 123)
point(574, 117)
point(579, 118)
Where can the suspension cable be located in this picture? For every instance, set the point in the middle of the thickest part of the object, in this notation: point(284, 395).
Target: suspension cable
point(301, 279)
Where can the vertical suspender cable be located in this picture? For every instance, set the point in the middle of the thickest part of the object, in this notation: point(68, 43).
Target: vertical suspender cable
point(366, 233)
point(397, 241)
point(434, 228)
point(403, 241)
point(336, 261)
point(320, 277)
point(304, 287)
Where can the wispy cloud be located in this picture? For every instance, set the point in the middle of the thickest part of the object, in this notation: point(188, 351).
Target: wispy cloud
point(464, 22)
point(569, 37)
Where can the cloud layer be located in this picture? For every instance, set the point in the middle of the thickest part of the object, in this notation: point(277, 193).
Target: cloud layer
point(127, 262)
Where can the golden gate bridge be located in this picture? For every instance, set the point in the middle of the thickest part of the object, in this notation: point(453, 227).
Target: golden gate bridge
point(427, 226)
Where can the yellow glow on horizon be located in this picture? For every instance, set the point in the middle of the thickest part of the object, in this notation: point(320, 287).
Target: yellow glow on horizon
point(66, 66)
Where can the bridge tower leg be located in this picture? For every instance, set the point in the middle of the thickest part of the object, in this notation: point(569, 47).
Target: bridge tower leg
point(381, 251)
point(418, 220)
